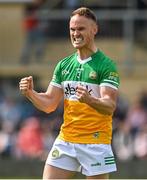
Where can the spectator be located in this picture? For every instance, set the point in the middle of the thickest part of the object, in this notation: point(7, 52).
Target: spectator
point(30, 140)
point(143, 100)
point(9, 111)
point(123, 142)
point(137, 116)
point(121, 111)
point(7, 139)
point(140, 143)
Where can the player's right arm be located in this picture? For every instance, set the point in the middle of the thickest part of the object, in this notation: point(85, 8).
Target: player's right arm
point(47, 101)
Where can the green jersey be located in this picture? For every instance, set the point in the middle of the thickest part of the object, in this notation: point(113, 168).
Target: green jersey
point(82, 122)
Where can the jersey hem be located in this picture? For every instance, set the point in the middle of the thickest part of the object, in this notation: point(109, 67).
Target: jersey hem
point(85, 141)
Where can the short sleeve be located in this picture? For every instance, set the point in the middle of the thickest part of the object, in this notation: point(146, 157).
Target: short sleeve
point(110, 76)
point(56, 79)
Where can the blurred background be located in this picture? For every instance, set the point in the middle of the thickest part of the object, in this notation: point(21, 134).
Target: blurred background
point(33, 38)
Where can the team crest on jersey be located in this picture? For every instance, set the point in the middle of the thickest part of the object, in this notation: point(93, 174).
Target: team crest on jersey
point(92, 75)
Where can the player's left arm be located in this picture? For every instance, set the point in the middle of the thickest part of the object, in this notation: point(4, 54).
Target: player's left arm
point(106, 104)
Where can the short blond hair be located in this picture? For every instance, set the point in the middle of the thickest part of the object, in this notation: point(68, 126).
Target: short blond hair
point(86, 12)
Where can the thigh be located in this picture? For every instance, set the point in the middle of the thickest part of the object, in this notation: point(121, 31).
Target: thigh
point(51, 172)
point(101, 176)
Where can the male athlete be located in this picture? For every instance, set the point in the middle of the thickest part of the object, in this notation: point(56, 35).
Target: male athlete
point(89, 81)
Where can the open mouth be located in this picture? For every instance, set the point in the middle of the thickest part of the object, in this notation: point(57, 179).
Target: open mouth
point(78, 40)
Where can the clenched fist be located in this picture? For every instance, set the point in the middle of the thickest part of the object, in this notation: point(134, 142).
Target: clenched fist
point(82, 94)
point(26, 84)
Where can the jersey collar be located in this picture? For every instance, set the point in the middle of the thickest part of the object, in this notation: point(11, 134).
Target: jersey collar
point(83, 61)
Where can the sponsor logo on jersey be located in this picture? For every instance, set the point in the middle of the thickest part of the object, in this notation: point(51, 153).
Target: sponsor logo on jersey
point(71, 90)
point(113, 76)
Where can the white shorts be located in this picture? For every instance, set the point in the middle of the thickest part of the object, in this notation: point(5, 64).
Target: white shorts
point(89, 159)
